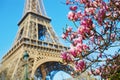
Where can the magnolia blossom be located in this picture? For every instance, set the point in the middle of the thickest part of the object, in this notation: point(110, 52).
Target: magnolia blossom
point(83, 1)
point(73, 8)
point(73, 35)
point(67, 2)
point(72, 16)
point(97, 71)
point(69, 29)
point(73, 52)
point(79, 48)
point(80, 15)
point(112, 36)
point(90, 10)
point(67, 57)
point(96, 30)
point(101, 15)
point(78, 40)
point(80, 65)
point(64, 36)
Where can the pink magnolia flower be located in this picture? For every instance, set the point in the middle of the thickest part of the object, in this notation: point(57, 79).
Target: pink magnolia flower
point(80, 65)
point(83, 1)
point(104, 5)
point(73, 35)
point(73, 52)
point(79, 15)
point(72, 16)
point(92, 33)
point(101, 16)
point(81, 29)
point(69, 29)
point(97, 71)
point(73, 8)
point(79, 48)
point(64, 36)
point(95, 4)
point(67, 2)
point(85, 47)
point(87, 23)
point(90, 10)
point(70, 57)
point(75, 17)
point(78, 40)
point(112, 36)
point(84, 22)
point(66, 56)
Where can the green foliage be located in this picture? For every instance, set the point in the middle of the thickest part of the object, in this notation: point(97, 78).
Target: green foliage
point(115, 76)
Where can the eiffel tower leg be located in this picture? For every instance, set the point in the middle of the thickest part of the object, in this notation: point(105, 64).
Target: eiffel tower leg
point(14, 72)
point(43, 71)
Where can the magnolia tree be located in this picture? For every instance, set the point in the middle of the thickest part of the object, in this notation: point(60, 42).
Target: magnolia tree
point(95, 33)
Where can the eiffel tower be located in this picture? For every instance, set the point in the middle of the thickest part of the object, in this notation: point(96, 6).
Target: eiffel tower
point(36, 49)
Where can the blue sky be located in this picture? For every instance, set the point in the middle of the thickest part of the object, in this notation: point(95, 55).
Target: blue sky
point(11, 12)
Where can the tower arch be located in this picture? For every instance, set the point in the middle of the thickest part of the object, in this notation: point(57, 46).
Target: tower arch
point(51, 68)
point(42, 61)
